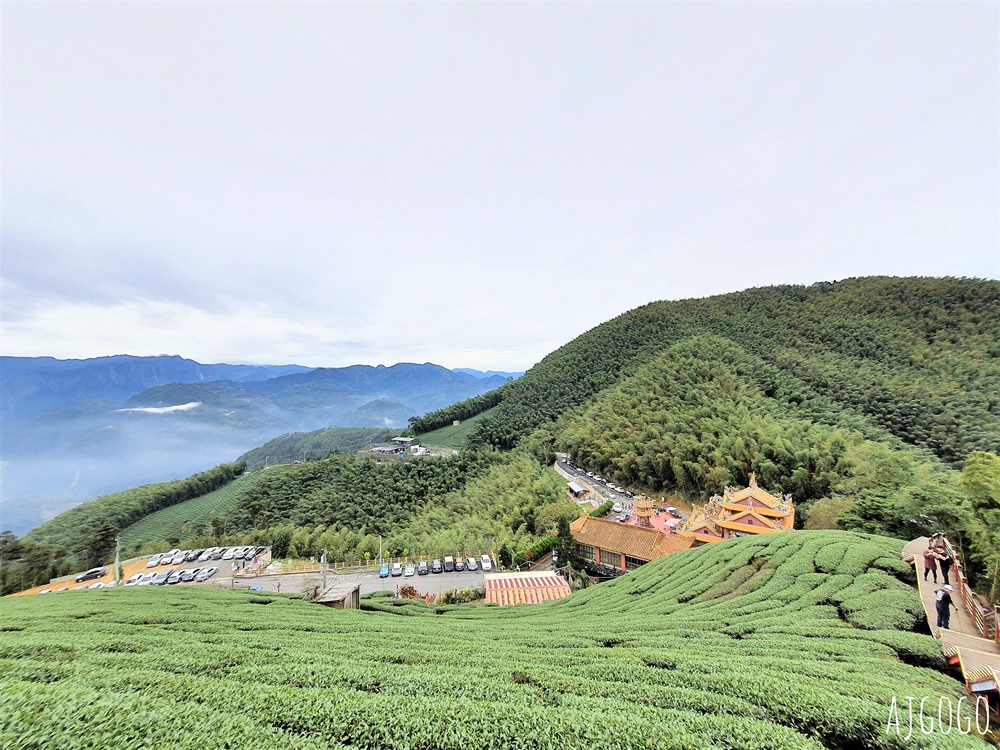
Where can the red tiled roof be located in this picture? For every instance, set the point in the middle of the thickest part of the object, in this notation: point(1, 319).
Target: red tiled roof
point(508, 589)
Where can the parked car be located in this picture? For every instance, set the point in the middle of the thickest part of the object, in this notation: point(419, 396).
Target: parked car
point(166, 557)
point(623, 517)
point(437, 567)
point(98, 585)
point(397, 570)
point(206, 555)
point(205, 573)
point(147, 579)
point(91, 574)
point(673, 511)
point(409, 570)
point(486, 564)
point(383, 572)
point(422, 568)
point(45, 591)
point(175, 577)
point(109, 584)
point(459, 564)
point(188, 575)
point(617, 508)
point(161, 578)
point(228, 554)
point(449, 564)
point(192, 555)
point(471, 564)
point(64, 588)
point(628, 494)
point(134, 580)
point(154, 560)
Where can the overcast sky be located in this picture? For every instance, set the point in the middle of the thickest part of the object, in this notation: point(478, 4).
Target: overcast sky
point(472, 184)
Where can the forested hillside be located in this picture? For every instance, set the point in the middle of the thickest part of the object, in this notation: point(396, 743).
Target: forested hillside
point(316, 444)
point(874, 402)
point(919, 358)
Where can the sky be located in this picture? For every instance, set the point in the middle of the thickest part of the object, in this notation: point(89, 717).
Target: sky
point(472, 184)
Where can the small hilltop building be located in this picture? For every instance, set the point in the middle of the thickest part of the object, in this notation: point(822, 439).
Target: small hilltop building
point(739, 513)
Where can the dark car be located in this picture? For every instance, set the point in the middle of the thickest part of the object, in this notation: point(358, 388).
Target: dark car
point(161, 578)
point(436, 567)
point(459, 564)
point(193, 555)
point(422, 569)
point(91, 574)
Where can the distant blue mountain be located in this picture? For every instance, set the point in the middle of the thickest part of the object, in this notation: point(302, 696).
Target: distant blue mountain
point(75, 429)
point(488, 373)
point(32, 384)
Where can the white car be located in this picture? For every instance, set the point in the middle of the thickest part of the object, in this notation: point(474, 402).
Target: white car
point(146, 579)
point(110, 584)
point(410, 570)
point(154, 560)
point(205, 573)
point(228, 554)
point(134, 580)
point(471, 564)
point(98, 585)
point(45, 591)
point(484, 561)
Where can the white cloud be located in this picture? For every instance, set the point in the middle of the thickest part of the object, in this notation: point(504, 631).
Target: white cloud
point(163, 409)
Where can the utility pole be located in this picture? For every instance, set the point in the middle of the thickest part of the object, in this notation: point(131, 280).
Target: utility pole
point(118, 566)
point(380, 550)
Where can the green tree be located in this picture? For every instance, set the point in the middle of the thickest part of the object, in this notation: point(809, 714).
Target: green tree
point(981, 481)
point(566, 545)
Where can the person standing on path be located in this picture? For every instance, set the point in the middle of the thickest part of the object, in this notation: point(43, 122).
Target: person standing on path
point(931, 563)
point(946, 563)
point(944, 606)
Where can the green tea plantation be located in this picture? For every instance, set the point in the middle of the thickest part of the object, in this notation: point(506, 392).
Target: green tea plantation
point(797, 640)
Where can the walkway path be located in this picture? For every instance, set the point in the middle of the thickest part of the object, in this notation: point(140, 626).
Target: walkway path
point(962, 642)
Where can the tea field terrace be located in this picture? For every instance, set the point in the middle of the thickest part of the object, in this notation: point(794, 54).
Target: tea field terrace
point(788, 641)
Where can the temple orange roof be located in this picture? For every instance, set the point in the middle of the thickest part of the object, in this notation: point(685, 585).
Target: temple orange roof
point(752, 510)
point(636, 541)
point(509, 589)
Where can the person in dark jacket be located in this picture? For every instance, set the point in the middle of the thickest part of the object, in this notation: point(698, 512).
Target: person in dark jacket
point(944, 606)
point(946, 561)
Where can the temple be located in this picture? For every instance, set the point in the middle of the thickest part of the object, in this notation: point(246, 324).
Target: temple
point(750, 511)
point(609, 548)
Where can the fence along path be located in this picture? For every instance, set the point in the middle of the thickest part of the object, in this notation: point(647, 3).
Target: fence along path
point(973, 640)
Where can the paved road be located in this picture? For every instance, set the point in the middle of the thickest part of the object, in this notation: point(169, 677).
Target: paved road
point(432, 583)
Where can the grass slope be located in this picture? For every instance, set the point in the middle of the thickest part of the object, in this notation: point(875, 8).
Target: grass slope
point(453, 436)
point(793, 641)
point(179, 520)
point(316, 444)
